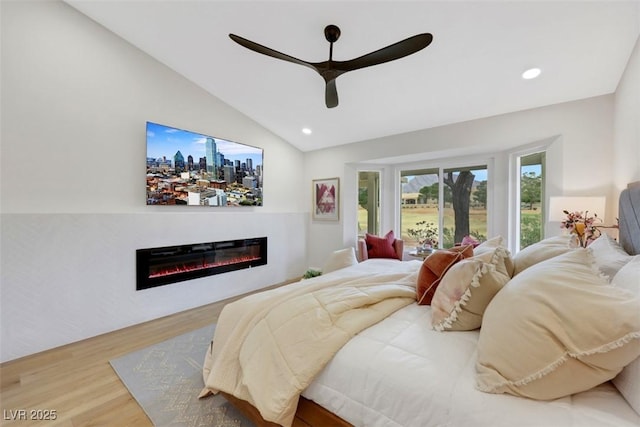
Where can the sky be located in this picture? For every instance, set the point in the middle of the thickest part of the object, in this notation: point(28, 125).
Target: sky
point(481, 175)
point(166, 141)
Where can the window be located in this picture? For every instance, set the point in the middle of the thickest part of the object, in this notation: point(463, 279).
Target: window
point(455, 205)
point(530, 196)
point(368, 202)
point(419, 203)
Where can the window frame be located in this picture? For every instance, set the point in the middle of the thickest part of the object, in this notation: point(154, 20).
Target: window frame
point(441, 165)
point(515, 178)
point(379, 171)
point(502, 185)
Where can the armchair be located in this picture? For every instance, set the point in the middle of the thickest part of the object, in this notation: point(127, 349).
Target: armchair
point(380, 247)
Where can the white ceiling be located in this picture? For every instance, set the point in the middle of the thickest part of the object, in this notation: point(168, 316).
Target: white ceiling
point(471, 70)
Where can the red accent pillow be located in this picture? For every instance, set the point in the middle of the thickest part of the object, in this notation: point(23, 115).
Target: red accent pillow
point(434, 268)
point(381, 247)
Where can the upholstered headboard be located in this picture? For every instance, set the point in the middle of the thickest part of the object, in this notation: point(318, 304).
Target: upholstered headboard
point(629, 218)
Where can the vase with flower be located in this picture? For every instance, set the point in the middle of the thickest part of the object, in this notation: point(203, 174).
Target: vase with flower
point(426, 236)
point(582, 226)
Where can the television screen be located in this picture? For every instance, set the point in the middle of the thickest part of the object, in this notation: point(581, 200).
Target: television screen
point(189, 168)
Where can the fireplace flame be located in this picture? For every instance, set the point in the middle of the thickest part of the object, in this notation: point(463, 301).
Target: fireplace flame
point(184, 268)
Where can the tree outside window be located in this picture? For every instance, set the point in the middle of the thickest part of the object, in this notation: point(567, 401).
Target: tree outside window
point(463, 210)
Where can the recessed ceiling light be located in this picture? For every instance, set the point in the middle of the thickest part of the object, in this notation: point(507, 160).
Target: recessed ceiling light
point(531, 73)
point(306, 131)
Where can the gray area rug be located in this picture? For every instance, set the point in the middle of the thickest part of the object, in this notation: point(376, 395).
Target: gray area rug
point(165, 380)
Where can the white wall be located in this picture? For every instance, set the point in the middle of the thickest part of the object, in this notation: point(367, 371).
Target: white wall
point(627, 124)
point(582, 135)
point(75, 99)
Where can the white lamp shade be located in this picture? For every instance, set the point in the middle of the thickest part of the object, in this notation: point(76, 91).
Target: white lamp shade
point(593, 205)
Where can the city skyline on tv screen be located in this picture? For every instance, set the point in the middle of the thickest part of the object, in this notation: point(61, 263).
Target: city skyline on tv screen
point(190, 168)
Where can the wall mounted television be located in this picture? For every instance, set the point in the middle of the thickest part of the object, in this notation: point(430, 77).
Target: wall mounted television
point(193, 169)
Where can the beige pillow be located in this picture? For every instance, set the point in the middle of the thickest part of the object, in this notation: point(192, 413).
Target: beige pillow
point(340, 259)
point(543, 250)
point(467, 288)
point(499, 256)
point(487, 249)
point(609, 255)
point(556, 329)
point(628, 381)
point(489, 245)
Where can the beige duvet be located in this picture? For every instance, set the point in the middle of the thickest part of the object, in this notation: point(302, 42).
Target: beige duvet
point(269, 346)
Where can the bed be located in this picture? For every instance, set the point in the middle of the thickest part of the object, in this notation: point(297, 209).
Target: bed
point(352, 347)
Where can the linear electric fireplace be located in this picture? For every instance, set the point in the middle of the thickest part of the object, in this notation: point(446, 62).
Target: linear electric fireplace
point(170, 264)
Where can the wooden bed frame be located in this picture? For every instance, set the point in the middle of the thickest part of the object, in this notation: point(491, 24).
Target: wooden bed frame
point(310, 414)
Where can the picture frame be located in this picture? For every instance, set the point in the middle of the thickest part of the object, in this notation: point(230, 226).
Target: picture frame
point(326, 199)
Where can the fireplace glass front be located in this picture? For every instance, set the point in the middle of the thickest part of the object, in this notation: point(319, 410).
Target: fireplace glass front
point(170, 264)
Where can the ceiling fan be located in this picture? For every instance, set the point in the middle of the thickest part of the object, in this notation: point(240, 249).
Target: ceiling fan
point(330, 70)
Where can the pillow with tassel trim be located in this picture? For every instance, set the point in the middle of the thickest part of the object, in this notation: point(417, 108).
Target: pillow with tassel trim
point(467, 288)
point(557, 328)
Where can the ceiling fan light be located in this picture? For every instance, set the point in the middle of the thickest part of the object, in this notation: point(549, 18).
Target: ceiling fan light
point(531, 73)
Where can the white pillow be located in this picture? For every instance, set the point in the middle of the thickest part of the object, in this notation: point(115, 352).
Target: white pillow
point(340, 259)
point(628, 277)
point(609, 255)
point(628, 381)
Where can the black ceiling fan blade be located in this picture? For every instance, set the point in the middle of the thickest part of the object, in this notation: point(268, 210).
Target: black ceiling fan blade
point(269, 52)
point(330, 70)
point(331, 94)
point(395, 51)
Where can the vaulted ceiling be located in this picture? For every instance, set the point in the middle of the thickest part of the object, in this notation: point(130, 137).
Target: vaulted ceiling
point(472, 69)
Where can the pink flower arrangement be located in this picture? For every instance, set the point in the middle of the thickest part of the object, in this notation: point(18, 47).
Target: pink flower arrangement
point(582, 226)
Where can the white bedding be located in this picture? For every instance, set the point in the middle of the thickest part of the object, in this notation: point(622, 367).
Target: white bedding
point(400, 372)
point(285, 336)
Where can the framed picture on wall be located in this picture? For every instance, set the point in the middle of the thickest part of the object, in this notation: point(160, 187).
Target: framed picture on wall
point(326, 199)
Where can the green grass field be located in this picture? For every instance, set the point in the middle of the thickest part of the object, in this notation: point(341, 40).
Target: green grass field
point(410, 216)
point(530, 232)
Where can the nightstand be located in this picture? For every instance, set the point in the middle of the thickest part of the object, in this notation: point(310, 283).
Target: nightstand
point(422, 255)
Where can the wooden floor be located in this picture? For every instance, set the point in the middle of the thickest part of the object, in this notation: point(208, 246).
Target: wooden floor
point(76, 385)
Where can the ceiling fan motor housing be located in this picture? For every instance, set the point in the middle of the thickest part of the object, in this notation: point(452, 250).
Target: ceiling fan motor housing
point(332, 33)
